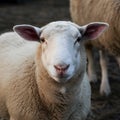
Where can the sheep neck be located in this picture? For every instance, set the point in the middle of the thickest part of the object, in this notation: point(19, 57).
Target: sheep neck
point(50, 92)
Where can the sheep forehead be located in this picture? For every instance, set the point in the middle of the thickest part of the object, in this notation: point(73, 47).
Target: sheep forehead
point(62, 28)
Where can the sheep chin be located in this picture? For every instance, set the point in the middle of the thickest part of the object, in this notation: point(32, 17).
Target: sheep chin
point(63, 79)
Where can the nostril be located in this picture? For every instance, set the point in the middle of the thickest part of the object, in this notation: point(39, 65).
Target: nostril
point(61, 67)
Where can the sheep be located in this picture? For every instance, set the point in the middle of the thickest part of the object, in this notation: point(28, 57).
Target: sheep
point(43, 71)
point(85, 11)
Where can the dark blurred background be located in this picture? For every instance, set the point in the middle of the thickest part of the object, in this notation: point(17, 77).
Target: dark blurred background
point(35, 12)
point(57, 2)
point(13, 1)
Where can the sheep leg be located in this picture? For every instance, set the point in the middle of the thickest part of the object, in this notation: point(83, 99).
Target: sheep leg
point(104, 87)
point(12, 118)
point(91, 66)
point(118, 60)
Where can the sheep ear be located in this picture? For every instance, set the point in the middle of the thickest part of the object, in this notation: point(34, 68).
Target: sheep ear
point(93, 30)
point(28, 32)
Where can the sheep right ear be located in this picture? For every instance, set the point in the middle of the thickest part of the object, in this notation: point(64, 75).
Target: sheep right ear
point(28, 32)
point(93, 30)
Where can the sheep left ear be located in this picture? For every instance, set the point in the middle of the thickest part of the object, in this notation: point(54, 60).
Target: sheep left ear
point(93, 30)
point(28, 32)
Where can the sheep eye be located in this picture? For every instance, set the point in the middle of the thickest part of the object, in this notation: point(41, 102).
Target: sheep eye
point(42, 40)
point(78, 39)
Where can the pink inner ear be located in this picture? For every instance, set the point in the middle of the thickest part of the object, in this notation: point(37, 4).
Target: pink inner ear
point(28, 33)
point(94, 31)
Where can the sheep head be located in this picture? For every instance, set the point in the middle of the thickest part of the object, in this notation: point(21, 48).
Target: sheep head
point(62, 44)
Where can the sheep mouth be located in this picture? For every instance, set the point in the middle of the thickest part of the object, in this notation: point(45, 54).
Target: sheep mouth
point(62, 78)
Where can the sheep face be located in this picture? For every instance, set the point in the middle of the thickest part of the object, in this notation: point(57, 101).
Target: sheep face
point(61, 50)
point(61, 44)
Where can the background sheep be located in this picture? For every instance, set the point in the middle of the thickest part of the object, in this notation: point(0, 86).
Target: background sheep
point(85, 11)
point(37, 80)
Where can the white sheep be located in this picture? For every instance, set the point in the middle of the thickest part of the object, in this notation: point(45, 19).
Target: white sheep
point(85, 11)
point(43, 72)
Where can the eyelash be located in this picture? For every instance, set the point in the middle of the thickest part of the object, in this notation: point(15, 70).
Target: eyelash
point(78, 40)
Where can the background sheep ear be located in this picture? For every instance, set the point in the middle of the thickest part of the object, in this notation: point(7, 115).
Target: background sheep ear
point(93, 30)
point(28, 32)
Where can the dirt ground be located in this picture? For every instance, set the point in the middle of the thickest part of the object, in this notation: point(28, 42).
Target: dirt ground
point(41, 12)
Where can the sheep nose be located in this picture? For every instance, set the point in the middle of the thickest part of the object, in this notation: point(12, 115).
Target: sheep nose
point(61, 68)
